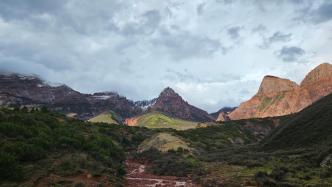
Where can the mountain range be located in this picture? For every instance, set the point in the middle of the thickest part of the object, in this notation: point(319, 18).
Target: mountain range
point(275, 97)
point(30, 91)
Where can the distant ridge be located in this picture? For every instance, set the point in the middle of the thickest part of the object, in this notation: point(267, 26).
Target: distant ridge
point(18, 90)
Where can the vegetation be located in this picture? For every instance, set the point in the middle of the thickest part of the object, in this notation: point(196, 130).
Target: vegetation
point(298, 152)
point(37, 144)
point(163, 142)
point(104, 118)
point(294, 150)
point(159, 120)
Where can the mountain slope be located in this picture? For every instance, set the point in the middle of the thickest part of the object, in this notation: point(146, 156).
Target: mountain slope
point(172, 104)
point(310, 127)
point(277, 96)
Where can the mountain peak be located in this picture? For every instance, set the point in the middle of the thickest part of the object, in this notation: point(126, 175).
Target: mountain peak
point(168, 91)
point(172, 104)
point(321, 72)
point(272, 84)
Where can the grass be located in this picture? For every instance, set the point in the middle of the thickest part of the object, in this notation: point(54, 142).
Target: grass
point(104, 118)
point(159, 120)
point(163, 142)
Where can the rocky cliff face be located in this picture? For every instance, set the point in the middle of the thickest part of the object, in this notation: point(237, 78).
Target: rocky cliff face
point(277, 96)
point(18, 90)
point(172, 104)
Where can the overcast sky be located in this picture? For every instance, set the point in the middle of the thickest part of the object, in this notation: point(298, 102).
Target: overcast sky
point(212, 52)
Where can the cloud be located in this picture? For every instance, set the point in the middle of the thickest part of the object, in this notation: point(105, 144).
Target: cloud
point(290, 54)
point(323, 13)
point(260, 28)
point(200, 8)
point(275, 38)
point(146, 24)
point(279, 37)
point(205, 49)
point(234, 32)
point(182, 45)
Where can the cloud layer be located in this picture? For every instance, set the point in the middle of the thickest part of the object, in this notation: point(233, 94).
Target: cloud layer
point(214, 53)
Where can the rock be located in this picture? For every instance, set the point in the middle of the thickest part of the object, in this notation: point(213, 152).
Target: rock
point(278, 97)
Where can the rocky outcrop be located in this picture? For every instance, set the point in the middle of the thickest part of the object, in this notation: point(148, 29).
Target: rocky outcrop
point(222, 113)
point(172, 104)
point(277, 96)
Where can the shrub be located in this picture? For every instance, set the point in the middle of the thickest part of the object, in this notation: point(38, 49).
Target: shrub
point(10, 168)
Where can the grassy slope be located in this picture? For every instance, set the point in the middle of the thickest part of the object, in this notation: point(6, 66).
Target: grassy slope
point(35, 145)
point(213, 139)
point(159, 120)
point(103, 118)
point(163, 142)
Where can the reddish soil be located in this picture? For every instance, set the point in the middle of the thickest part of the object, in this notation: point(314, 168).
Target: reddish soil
point(137, 176)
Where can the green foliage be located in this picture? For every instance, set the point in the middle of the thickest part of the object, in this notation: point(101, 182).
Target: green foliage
point(30, 139)
point(160, 120)
point(311, 127)
point(10, 168)
point(175, 163)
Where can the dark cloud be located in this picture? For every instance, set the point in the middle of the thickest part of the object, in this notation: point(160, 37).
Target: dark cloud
point(200, 8)
point(259, 28)
point(323, 13)
point(279, 37)
point(225, 1)
point(276, 37)
point(21, 9)
point(234, 32)
point(290, 54)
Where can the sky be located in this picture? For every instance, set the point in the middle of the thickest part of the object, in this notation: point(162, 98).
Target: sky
point(214, 53)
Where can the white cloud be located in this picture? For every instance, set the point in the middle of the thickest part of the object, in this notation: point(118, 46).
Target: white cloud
point(139, 47)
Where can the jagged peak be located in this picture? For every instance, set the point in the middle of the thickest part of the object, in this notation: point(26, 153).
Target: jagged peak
point(322, 71)
point(168, 91)
point(272, 84)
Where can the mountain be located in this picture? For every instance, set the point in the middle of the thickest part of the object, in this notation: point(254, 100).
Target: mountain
point(222, 114)
point(224, 109)
point(277, 96)
point(20, 90)
point(172, 104)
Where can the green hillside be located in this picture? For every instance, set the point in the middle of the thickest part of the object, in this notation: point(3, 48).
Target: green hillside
point(163, 142)
point(39, 148)
point(310, 128)
point(104, 118)
point(159, 120)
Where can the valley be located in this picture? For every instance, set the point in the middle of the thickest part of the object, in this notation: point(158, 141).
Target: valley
point(55, 136)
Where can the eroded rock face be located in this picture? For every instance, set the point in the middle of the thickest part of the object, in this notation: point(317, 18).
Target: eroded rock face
point(277, 96)
point(171, 103)
point(272, 86)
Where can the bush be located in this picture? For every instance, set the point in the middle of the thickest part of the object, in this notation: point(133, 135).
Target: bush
point(10, 168)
